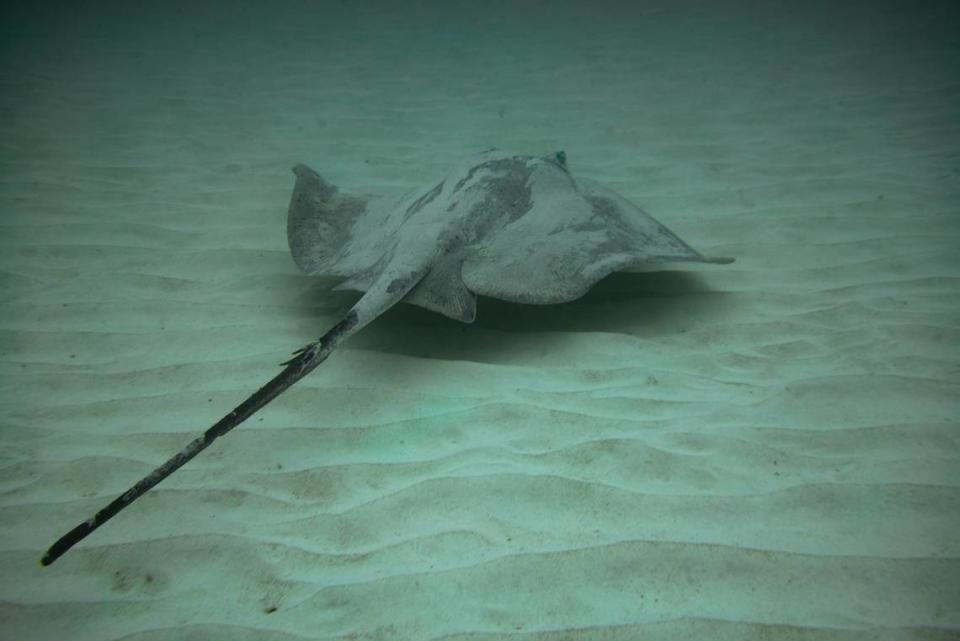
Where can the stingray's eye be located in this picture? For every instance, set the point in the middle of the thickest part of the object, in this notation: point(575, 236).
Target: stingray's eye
point(561, 158)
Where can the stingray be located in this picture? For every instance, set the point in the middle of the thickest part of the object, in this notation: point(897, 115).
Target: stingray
point(509, 226)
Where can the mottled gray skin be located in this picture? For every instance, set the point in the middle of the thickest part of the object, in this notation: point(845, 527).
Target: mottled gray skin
point(519, 228)
point(514, 227)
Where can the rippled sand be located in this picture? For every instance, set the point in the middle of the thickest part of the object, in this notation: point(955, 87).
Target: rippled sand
point(766, 450)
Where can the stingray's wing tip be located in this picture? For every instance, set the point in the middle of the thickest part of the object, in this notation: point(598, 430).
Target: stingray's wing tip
point(301, 169)
point(719, 260)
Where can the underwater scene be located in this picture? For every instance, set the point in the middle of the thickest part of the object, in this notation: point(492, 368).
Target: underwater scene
point(480, 321)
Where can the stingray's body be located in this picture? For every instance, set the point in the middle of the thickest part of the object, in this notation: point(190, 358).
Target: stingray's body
point(509, 226)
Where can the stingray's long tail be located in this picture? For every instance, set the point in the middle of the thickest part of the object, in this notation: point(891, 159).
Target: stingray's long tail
point(303, 362)
point(388, 290)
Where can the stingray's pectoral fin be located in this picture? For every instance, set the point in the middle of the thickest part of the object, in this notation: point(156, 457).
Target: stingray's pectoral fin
point(717, 260)
point(692, 256)
point(320, 221)
point(303, 362)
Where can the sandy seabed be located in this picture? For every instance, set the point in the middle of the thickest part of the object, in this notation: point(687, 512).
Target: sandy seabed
point(765, 450)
